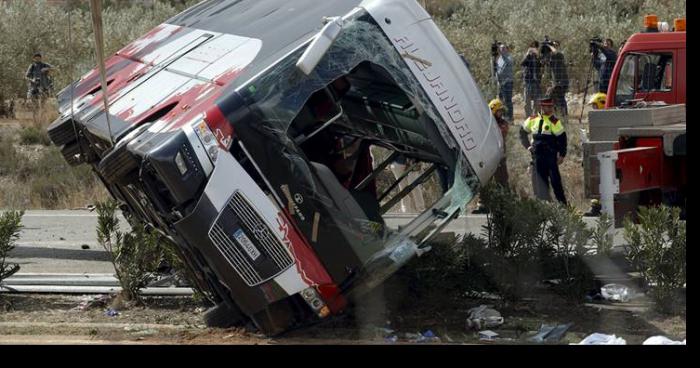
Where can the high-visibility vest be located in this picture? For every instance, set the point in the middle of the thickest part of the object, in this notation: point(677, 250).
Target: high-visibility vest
point(544, 129)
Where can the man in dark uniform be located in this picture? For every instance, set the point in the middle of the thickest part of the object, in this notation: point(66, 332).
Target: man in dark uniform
point(548, 149)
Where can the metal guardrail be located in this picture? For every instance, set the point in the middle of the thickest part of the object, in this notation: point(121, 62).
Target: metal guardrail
point(79, 284)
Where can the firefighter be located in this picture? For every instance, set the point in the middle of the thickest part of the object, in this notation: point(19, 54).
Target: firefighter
point(501, 175)
point(548, 149)
point(498, 110)
point(597, 101)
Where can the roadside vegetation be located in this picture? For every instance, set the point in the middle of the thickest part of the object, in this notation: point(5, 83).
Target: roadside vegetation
point(10, 226)
point(656, 248)
point(530, 248)
point(137, 254)
point(37, 176)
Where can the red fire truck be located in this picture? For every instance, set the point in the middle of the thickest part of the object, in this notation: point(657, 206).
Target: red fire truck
point(645, 164)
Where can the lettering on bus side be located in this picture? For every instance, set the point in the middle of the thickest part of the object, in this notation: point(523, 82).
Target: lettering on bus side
point(439, 92)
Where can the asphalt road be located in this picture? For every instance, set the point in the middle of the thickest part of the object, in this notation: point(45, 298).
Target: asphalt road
point(65, 241)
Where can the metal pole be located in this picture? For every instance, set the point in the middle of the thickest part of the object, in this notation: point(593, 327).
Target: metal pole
point(609, 186)
point(96, 10)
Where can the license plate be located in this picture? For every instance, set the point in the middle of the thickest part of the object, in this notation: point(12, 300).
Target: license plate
point(246, 244)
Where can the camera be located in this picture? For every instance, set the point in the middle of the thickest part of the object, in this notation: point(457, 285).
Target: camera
point(595, 44)
point(544, 46)
point(494, 48)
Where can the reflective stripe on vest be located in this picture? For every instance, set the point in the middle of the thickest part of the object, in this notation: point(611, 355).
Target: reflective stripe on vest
point(532, 125)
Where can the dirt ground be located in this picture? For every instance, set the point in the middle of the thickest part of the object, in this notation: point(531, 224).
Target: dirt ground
point(58, 319)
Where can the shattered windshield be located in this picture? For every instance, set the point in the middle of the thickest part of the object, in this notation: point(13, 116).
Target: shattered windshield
point(322, 145)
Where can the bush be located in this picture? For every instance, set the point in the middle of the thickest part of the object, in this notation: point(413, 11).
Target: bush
point(10, 226)
point(135, 255)
point(514, 233)
point(657, 249)
point(600, 237)
point(33, 135)
point(567, 237)
point(523, 242)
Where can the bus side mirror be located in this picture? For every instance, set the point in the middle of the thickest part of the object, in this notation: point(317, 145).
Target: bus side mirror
point(320, 45)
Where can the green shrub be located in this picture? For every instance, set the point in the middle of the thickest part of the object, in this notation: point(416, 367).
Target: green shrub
point(135, 255)
point(33, 135)
point(514, 231)
point(657, 249)
point(523, 242)
point(567, 237)
point(600, 237)
point(10, 226)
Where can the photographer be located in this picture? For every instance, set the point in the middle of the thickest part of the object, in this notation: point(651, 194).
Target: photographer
point(532, 77)
point(604, 58)
point(556, 64)
point(504, 74)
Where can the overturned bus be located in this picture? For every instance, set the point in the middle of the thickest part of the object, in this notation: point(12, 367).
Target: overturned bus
point(256, 136)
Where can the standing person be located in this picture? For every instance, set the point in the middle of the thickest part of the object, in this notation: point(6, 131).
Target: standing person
point(504, 74)
point(498, 111)
point(38, 77)
point(604, 59)
point(548, 149)
point(556, 63)
point(532, 77)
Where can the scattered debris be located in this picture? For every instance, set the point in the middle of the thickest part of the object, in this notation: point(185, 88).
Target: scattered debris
point(487, 335)
point(425, 337)
point(483, 316)
point(111, 312)
point(662, 340)
point(429, 336)
point(616, 293)
point(602, 339)
point(553, 333)
point(391, 339)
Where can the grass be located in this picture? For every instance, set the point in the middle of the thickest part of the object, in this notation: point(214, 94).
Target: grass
point(33, 173)
point(46, 182)
point(33, 135)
